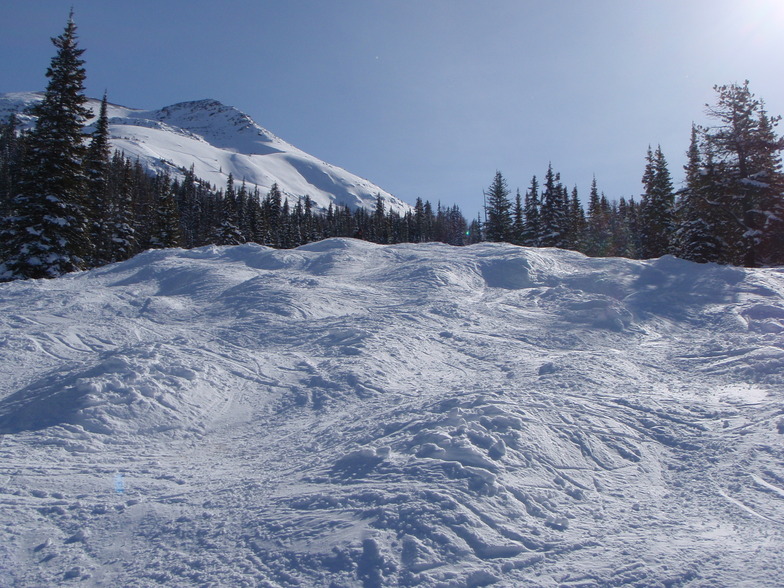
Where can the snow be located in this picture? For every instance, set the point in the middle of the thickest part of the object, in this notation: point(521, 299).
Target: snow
point(219, 140)
point(349, 414)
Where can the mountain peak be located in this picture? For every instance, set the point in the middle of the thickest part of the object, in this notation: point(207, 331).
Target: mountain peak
point(218, 140)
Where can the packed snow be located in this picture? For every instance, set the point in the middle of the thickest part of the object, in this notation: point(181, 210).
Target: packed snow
point(218, 140)
point(349, 414)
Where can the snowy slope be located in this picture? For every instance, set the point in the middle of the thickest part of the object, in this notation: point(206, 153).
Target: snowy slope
point(218, 140)
point(346, 414)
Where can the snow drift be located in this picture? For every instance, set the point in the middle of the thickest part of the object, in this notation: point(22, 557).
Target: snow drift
point(348, 414)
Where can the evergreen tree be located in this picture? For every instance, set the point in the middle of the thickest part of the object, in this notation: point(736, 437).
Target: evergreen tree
point(12, 147)
point(770, 250)
point(532, 229)
point(120, 235)
point(575, 223)
point(428, 227)
point(272, 212)
point(47, 231)
point(656, 207)
point(244, 213)
point(518, 220)
point(475, 231)
point(96, 167)
point(288, 237)
point(747, 177)
point(167, 218)
point(498, 210)
point(621, 230)
point(189, 203)
point(552, 212)
point(379, 232)
point(598, 235)
point(696, 235)
point(229, 232)
point(310, 230)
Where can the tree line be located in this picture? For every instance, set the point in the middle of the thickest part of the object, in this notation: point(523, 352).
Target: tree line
point(730, 210)
point(67, 202)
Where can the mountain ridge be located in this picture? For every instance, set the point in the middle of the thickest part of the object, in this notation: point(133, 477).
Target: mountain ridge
point(218, 140)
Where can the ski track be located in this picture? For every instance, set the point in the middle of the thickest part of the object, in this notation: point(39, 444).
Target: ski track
point(347, 414)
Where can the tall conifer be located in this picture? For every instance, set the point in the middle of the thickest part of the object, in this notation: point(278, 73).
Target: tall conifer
point(47, 231)
point(498, 209)
point(656, 207)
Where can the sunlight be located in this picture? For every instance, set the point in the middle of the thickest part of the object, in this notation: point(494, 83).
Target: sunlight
point(760, 21)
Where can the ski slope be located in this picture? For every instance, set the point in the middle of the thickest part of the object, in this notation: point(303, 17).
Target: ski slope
point(349, 414)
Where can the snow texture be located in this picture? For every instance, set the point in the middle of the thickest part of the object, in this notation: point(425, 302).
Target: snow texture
point(219, 140)
point(349, 414)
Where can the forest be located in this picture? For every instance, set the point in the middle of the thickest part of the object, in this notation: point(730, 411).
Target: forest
point(69, 203)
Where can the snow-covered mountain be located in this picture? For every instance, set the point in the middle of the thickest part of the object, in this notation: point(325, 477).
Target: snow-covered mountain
point(347, 414)
point(219, 140)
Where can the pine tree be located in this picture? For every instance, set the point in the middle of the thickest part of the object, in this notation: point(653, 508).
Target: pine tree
point(747, 176)
point(47, 231)
point(498, 209)
point(770, 250)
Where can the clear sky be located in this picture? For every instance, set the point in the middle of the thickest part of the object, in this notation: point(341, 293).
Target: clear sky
point(428, 97)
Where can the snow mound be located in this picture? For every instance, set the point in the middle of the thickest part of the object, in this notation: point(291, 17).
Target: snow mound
point(350, 414)
point(132, 392)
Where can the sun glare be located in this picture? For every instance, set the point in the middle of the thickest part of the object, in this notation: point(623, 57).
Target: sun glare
point(761, 20)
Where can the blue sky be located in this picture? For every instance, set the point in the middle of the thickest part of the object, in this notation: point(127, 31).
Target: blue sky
point(428, 97)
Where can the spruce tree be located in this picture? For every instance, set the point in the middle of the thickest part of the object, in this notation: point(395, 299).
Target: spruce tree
point(552, 212)
point(532, 226)
point(379, 232)
point(518, 220)
point(696, 237)
point(576, 224)
point(12, 146)
point(656, 207)
point(120, 235)
point(228, 232)
point(272, 213)
point(47, 231)
point(498, 209)
point(428, 232)
point(418, 232)
point(598, 235)
point(166, 233)
point(96, 167)
point(620, 227)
